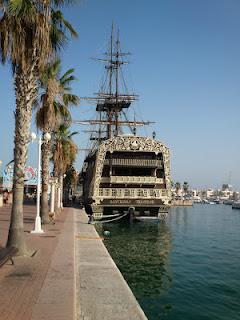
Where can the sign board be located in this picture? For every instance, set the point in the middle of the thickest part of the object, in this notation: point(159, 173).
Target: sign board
point(29, 179)
point(132, 202)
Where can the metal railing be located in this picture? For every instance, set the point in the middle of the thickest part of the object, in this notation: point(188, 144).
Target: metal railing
point(132, 179)
point(132, 193)
point(135, 162)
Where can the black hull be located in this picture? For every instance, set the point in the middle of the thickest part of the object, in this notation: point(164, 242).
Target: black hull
point(111, 214)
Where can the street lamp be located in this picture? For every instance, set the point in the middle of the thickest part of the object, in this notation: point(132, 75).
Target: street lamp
point(0, 168)
point(52, 203)
point(1, 183)
point(62, 177)
point(46, 139)
point(1, 178)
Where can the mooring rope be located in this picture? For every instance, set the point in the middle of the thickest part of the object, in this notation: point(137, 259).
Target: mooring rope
point(118, 218)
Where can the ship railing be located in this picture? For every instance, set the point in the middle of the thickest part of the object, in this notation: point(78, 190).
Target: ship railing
point(133, 193)
point(132, 179)
point(135, 162)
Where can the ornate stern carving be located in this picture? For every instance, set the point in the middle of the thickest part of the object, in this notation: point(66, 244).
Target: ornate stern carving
point(130, 143)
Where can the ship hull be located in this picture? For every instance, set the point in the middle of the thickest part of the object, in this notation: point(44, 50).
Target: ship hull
point(131, 213)
point(138, 209)
point(128, 176)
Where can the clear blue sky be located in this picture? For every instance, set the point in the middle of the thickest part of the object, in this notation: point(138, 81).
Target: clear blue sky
point(185, 65)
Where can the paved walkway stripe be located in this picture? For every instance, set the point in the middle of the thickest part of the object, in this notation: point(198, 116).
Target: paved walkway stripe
point(101, 291)
point(88, 238)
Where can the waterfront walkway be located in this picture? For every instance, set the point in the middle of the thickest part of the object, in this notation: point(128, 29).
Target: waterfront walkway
point(41, 286)
point(67, 275)
point(101, 291)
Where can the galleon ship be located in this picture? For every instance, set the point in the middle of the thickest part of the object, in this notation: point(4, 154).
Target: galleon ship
point(123, 175)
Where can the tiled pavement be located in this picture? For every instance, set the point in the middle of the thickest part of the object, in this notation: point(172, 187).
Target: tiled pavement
point(101, 291)
point(42, 286)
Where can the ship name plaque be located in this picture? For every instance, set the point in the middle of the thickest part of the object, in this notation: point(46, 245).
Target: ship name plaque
point(140, 202)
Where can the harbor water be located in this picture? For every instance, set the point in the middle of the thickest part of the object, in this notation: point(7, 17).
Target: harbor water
point(185, 268)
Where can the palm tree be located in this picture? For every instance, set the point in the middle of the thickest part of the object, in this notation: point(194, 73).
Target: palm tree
point(69, 182)
point(177, 187)
point(64, 152)
point(53, 110)
point(185, 187)
point(30, 31)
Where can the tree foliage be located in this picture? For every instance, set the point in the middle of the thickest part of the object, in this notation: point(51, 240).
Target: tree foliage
point(64, 149)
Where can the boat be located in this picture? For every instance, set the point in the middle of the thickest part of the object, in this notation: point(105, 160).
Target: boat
point(197, 199)
point(218, 201)
point(236, 205)
point(124, 174)
point(228, 202)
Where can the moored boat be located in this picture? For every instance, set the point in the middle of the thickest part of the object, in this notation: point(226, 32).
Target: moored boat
point(123, 174)
point(228, 202)
point(236, 205)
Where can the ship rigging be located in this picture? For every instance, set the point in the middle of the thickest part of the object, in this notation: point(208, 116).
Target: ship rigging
point(123, 175)
point(112, 100)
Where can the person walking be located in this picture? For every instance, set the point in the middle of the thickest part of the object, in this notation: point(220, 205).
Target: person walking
point(5, 197)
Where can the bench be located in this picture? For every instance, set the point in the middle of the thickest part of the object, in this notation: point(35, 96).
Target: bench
point(7, 254)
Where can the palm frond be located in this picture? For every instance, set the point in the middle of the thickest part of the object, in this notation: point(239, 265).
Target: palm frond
point(70, 28)
point(71, 99)
point(62, 113)
point(64, 150)
point(22, 8)
point(66, 74)
point(68, 80)
point(73, 134)
point(58, 39)
point(53, 112)
point(60, 27)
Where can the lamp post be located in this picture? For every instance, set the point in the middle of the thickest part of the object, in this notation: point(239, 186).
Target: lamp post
point(52, 199)
point(62, 177)
point(53, 182)
point(46, 139)
point(1, 176)
point(1, 183)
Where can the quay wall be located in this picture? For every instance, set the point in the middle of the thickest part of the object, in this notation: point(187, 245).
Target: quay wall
point(176, 203)
point(101, 291)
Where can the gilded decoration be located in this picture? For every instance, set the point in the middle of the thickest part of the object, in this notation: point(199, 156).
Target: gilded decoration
point(130, 143)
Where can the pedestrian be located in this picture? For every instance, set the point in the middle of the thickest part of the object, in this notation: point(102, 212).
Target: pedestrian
point(73, 199)
point(5, 196)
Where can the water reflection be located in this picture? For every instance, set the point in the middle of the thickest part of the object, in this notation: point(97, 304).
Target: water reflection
point(141, 252)
point(180, 217)
point(186, 268)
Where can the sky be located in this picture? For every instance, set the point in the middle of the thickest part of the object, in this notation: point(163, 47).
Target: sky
point(185, 67)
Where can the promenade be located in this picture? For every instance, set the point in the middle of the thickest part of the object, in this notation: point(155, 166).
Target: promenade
point(68, 274)
point(101, 291)
point(40, 286)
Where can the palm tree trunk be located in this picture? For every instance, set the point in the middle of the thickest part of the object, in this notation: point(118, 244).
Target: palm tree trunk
point(61, 191)
point(56, 176)
point(56, 199)
point(58, 196)
point(25, 88)
point(46, 147)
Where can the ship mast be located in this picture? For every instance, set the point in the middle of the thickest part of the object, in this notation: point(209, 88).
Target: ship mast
point(112, 98)
point(109, 126)
point(117, 75)
point(114, 101)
